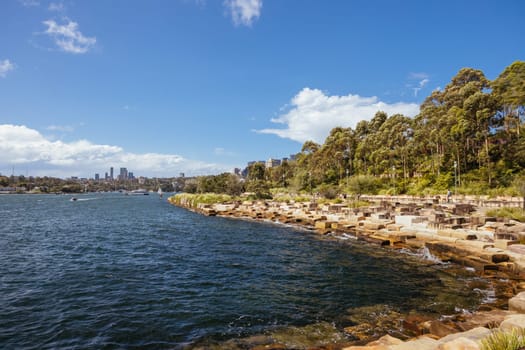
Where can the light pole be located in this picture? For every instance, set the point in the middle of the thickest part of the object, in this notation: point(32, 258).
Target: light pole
point(394, 178)
point(455, 178)
point(310, 181)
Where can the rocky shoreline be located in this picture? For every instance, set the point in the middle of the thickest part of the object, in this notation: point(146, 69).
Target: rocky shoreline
point(454, 232)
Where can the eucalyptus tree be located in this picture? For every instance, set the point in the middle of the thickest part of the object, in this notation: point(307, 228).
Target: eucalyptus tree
point(509, 88)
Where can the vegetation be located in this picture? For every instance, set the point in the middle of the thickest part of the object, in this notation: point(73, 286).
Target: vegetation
point(467, 138)
point(193, 200)
point(500, 340)
point(517, 214)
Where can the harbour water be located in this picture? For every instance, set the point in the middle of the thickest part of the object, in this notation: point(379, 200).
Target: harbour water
point(110, 271)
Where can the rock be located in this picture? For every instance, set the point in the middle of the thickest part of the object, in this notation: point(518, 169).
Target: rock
point(361, 331)
point(441, 329)
point(459, 344)
point(517, 303)
point(513, 321)
point(475, 334)
point(517, 248)
point(489, 319)
point(386, 340)
point(416, 324)
point(422, 343)
point(382, 343)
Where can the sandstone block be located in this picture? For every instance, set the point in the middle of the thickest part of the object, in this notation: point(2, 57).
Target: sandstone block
point(459, 344)
point(513, 321)
point(441, 329)
point(517, 248)
point(458, 234)
point(422, 343)
point(322, 225)
point(504, 243)
point(373, 226)
point(517, 303)
point(475, 334)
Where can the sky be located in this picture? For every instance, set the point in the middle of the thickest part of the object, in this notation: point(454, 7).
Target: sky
point(200, 87)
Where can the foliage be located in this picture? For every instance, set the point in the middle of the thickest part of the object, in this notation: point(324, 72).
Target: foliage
point(467, 138)
point(328, 191)
point(502, 340)
point(513, 213)
point(193, 200)
point(361, 184)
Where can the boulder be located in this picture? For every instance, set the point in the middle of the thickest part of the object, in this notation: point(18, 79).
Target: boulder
point(513, 321)
point(382, 343)
point(421, 343)
point(517, 303)
point(441, 329)
point(459, 344)
point(490, 319)
point(475, 334)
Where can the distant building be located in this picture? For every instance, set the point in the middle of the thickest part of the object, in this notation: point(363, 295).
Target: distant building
point(130, 175)
point(123, 174)
point(97, 177)
point(106, 176)
point(111, 173)
point(270, 163)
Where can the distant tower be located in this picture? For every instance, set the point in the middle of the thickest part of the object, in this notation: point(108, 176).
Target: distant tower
point(123, 173)
point(97, 177)
point(111, 173)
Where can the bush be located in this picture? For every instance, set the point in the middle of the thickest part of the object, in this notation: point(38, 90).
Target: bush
point(364, 184)
point(328, 191)
point(193, 200)
point(499, 340)
point(513, 213)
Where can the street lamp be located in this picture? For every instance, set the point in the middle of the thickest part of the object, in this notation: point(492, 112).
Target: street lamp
point(455, 178)
point(394, 177)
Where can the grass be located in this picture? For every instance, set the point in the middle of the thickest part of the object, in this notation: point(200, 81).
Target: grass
point(499, 340)
point(513, 213)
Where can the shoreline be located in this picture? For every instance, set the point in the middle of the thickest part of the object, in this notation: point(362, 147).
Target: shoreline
point(453, 232)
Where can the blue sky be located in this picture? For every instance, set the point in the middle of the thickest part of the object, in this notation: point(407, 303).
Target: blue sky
point(203, 86)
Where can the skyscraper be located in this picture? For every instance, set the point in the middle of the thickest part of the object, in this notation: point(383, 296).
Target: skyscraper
point(111, 173)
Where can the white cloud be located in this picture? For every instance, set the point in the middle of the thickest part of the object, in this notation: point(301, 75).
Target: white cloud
point(29, 3)
point(219, 151)
point(419, 80)
point(313, 114)
point(20, 145)
point(68, 38)
point(56, 7)
point(5, 67)
point(63, 128)
point(244, 11)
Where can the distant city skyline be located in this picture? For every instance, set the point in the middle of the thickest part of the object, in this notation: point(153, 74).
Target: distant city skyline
point(203, 87)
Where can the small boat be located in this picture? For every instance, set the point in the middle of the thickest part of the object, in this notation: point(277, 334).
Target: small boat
point(73, 199)
point(138, 192)
point(160, 192)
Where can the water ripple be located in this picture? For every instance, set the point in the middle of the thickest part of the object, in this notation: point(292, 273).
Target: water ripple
point(114, 271)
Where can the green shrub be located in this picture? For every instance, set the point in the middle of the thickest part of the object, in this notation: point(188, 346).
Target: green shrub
point(513, 213)
point(499, 340)
point(364, 184)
